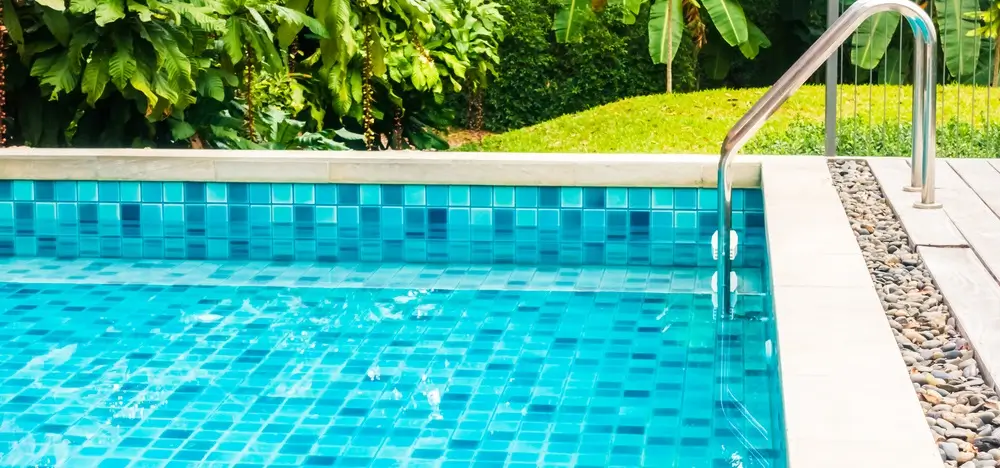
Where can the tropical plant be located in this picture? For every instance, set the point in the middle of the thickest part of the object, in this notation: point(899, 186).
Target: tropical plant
point(990, 29)
point(961, 29)
point(200, 72)
point(667, 22)
point(278, 131)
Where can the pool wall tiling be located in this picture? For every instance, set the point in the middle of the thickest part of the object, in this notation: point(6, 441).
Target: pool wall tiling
point(372, 222)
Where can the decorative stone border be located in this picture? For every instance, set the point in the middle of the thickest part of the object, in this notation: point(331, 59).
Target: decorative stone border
point(959, 406)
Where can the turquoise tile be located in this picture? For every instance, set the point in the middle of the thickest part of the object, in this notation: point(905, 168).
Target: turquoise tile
point(326, 214)
point(152, 192)
point(548, 219)
point(437, 195)
point(481, 197)
point(65, 190)
point(663, 198)
point(173, 192)
point(415, 195)
point(130, 192)
point(639, 198)
point(503, 197)
point(260, 193)
point(281, 214)
point(686, 199)
point(349, 215)
point(572, 197)
point(526, 217)
point(173, 213)
point(617, 198)
point(86, 191)
point(708, 200)
point(108, 191)
point(350, 222)
point(108, 212)
point(326, 194)
point(260, 214)
point(281, 194)
point(392, 216)
point(686, 219)
point(216, 192)
point(45, 211)
point(482, 217)
point(371, 194)
point(24, 190)
point(459, 195)
point(526, 197)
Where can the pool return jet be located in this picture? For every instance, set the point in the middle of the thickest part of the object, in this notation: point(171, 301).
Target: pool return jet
point(724, 282)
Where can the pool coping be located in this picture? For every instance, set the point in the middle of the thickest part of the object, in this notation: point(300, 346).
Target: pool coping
point(387, 167)
point(840, 366)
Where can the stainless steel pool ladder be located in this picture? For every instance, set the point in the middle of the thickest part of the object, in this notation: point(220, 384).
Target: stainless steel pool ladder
point(924, 104)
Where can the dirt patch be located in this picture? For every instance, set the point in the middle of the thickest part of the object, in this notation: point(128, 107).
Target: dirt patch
point(459, 136)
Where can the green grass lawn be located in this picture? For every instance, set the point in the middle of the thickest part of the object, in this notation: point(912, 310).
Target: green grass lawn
point(698, 122)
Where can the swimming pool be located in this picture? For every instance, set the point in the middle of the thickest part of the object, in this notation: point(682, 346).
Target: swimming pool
point(379, 325)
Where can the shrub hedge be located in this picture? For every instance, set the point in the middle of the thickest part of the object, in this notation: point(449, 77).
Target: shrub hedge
point(540, 79)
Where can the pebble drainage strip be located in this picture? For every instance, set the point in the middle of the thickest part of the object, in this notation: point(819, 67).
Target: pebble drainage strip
point(960, 408)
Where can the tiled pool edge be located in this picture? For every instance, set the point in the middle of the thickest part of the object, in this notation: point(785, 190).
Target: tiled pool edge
point(389, 167)
point(840, 365)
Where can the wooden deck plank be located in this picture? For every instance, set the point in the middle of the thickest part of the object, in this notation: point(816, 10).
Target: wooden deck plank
point(925, 227)
point(982, 177)
point(977, 223)
point(974, 298)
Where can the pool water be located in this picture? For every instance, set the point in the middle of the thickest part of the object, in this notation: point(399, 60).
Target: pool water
point(528, 371)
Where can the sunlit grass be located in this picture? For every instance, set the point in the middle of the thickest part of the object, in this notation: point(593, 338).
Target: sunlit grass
point(698, 122)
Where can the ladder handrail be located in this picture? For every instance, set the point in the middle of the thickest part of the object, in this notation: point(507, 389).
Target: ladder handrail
point(924, 97)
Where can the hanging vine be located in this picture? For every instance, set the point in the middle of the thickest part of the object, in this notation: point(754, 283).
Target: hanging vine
point(248, 80)
point(367, 94)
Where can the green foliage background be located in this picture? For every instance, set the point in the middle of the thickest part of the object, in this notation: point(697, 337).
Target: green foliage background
point(540, 79)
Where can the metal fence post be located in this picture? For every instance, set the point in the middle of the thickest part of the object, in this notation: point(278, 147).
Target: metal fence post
point(832, 13)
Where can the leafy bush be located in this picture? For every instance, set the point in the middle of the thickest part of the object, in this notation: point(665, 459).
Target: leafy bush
point(539, 79)
point(857, 137)
point(187, 72)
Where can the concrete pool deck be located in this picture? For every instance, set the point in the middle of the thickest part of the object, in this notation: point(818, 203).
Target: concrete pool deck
point(848, 399)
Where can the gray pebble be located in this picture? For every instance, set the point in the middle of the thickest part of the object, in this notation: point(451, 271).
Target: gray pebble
point(950, 450)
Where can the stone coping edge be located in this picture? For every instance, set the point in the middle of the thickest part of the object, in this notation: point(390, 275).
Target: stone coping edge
point(840, 367)
point(388, 167)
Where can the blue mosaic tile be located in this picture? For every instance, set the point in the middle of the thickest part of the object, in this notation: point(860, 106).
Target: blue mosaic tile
point(182, 375)
point(379, 223)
